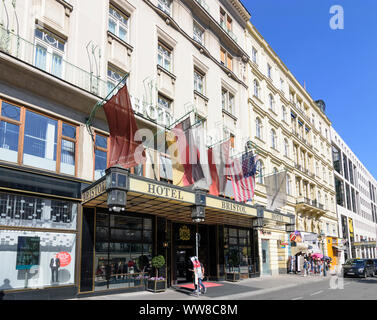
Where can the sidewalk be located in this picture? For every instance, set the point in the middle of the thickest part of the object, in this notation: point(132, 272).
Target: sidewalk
point(228, 290)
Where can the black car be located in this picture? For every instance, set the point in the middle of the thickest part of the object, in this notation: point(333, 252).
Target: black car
point(359, 268)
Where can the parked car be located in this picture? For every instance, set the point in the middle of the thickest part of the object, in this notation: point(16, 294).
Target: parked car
point(359, 268)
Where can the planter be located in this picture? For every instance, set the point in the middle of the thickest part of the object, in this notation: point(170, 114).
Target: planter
point(156, 285)
point(233, 276)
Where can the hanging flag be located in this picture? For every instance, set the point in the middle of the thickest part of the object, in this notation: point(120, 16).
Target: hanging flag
point(218, 158)
point(242, 171)
point(276, 189)
point(122, 126)
point(199, 154)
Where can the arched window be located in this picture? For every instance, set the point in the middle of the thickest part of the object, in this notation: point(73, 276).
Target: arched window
point(284, 113)
point(273, 139)
point(286, 148)
point(259, 166)
point(289, 183)
point(256, 88)
point(258, 128)
point(271, 102)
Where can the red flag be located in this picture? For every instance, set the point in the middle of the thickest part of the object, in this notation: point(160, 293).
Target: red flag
point(214, 188)
point(122, 127)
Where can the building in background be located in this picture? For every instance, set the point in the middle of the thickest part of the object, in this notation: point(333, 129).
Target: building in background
point(356, 202)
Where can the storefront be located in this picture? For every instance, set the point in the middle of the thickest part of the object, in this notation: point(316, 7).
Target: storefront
point(39, 216)
point(161, 219)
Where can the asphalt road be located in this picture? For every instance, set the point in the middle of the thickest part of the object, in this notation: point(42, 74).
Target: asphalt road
point(329, 289)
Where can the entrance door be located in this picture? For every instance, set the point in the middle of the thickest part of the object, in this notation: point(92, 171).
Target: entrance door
point(183, 264)
point(266, 269)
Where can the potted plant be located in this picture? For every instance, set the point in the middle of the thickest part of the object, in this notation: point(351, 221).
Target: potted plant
point(234, 261)
point(157, 284)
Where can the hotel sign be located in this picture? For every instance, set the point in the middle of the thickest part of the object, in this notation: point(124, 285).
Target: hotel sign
point(231, 206)
point(94, 191)
point(276, 217)
point(162, 191)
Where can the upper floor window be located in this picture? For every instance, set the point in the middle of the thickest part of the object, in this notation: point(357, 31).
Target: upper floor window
point(254, 55)
point(198, 34)
point(271, 102)
point(164, 57)
point(165, 5)
point(227, 100)
point(281, 84)
point(273, 139)
point(100, 155)
point(256, 88)
point(31, 138)
point(49, 52)
point(289, 185)
point(286, 148)
point(198, 81)
point(226, 59)
point(269, 71)
point(258, 128)
point(114, 76)
point(118, 24)
point(260, 171)
point(225, 20)
point(284, 113)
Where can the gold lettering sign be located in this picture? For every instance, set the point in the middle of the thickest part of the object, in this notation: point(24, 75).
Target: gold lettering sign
point(161, 190)
point(94, 191)
point(276, 217)
point(184, 233)
point(230, 206)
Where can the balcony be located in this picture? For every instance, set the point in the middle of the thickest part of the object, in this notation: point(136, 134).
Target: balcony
point(228, 31)
point(25, 51)
point(311, 206)
point(203, 4)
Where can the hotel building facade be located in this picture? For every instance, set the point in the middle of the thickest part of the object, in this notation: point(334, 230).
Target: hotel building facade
point(197, 59)
point(356, 202)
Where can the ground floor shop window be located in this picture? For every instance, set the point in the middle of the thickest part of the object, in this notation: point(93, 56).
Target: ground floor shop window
point(238, 251)
point(36, 259)
point(123, 250)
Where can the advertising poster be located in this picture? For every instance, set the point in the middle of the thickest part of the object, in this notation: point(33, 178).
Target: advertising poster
point(28, 252)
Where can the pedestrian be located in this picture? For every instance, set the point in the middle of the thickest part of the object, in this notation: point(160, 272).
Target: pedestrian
point(201, 276)
point(198, 275)
point(305, 267)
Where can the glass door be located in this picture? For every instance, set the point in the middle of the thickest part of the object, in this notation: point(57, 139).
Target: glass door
point(266, 269)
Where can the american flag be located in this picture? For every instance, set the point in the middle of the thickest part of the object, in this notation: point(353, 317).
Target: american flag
point(242, 171)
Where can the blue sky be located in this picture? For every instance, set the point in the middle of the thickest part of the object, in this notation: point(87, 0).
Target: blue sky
point(338, 66)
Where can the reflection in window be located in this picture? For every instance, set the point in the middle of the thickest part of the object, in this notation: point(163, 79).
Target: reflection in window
point(100, 156)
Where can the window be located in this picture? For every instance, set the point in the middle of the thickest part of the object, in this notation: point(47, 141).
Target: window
point(9, 131)
point(198, 81)
point(225, 20)
point(227, 100)
point(273, 139)
point(226, 59)
point(100, 155)
point(345, 166)
point(164, 102)
point(271, 102)
point(198, 33)
point(256, 88)
point(254, 55)
point(165, 5)
point(284, 113)
point(281, 84)
point(339, 188)
point(46, 143)
point(166, 172)
point(259, 166)
point(269, 71)
point(286, 148)
point(118, 24)
point(289, 185)
point(114, 76)
point(336, 160)
point(164, 58)
point(258, 128)
point(49, 52)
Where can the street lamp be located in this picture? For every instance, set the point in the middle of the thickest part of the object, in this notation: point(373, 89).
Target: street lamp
point(117, 185)
point(323, 252)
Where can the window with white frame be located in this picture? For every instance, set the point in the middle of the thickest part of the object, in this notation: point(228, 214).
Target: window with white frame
point(254, 55)
point(198, 33)
point(269, 71)
point(165, 5)
point(271, 102)
point(258, 128)
point(198, 81)
point(164, 102)
point(284, 113)
point(289, 183)
point(118, 24)
point(49, 52)
point(273, 139)
point(286, 148)
point(164, 57)
point(256, 88)
point(227, 100)
point(260, 170)
point(114, 76)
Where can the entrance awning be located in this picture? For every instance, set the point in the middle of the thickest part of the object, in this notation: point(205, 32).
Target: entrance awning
point(175, 203)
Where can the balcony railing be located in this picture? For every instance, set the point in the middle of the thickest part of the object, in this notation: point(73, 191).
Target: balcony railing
point(313, 203)
point(26, 51)
point(225, 28)
point(203, 4)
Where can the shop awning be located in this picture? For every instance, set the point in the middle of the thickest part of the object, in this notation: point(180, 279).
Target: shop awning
point(300, 247)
